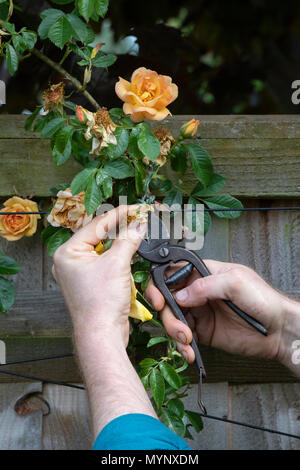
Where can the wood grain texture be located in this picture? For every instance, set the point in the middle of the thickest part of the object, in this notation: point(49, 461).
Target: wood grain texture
point(269, 242)
point(214, 433)
point(275, 406)
point(266, 147)
point(19, 432)
point(68, 426)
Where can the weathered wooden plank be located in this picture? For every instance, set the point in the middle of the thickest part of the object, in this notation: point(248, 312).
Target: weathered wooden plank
point(276, 406)
point(217, 127)
point(221, 366)
point(264, 148)
point(19, 432)
point(269, 242)
point(253, 167)
point(214, 433)
point(28, 166)
point(68, 426)
point(63, 370)
point(28, 251)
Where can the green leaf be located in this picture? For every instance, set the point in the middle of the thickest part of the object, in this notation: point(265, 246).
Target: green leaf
point(170, 375)
point(81, 180)
point(93, 196)
point(173, 197)
point(86, 8)
point(156, 340)
point(147, 362)
point(216, 184)
point(60, 32)
point(63, 138)
point(148, 144)
point(10, 27)
point(29, 121)
point(60, 237)
point(224, 201)
point(133, 144)
point(49, 17)
point(19, 44)
point(107, 186)
point(173, 422)
point(179, 159)
point(52, 127)
point(157, 385)
point(7, 294)
point(9, 265)
point(11, 59)
point(101, 7)
point(195, 220)
point(79, 28)
point(119, 169)
point(104, 60)
point(176, 406)
point(59, 157)
point(140, 276)
point(201, 163)
point(48, 232)
point(163, 185)
point(115, 151)
point(195, 420)
point(30, 39)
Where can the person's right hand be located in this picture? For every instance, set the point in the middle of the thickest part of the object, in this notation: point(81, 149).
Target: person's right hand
point(214, 324)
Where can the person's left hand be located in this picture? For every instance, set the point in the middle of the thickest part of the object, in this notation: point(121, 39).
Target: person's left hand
point(97, 288)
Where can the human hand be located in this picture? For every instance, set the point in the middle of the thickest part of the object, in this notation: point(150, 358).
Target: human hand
point(97, 288)
point(215, 324)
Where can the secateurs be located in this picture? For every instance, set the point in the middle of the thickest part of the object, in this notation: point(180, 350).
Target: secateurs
point(162, 254)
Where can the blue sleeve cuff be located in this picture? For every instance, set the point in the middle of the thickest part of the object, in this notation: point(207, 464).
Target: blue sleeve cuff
point(138, 432)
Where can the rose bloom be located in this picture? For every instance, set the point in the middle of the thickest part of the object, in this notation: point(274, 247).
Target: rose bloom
point(100, 128)
point(54, 97)
point(147, 95)
point(15, 226)
point(69, 211)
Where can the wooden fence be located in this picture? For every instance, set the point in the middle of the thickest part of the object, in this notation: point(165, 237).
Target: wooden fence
point(260, 156)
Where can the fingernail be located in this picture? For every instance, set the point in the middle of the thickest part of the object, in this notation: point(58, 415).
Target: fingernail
point(182, 295)
point(181, 337)
point(184, 354)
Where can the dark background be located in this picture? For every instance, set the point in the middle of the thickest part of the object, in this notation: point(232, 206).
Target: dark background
point(233, 56)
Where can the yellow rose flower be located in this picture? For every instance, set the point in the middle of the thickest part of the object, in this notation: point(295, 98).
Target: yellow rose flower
point(69, 211)
point(147, 95)
point(15, 226)
point(190, 128)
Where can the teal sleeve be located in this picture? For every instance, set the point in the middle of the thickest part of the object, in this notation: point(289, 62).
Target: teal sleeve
point(138, 432)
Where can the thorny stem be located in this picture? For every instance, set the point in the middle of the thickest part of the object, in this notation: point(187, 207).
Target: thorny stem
point(76, 83)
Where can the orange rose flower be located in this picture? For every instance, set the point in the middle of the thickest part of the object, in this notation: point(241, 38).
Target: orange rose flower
point(147, 95)
point(15, 226)
point(69, 211)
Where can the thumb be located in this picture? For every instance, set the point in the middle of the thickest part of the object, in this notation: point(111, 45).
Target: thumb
point(213, 287)
point(128, 241)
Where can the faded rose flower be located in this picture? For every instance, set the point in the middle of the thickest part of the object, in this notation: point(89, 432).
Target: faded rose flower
point(100, 128)
point(15, 226)
point(69, 211)
point(166, 140)
point(54, 97)
point(147, 95)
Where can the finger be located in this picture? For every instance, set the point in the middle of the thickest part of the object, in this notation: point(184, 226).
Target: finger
point(154, 296)
point(187, 352)
point(128, 241)
point(100, 227)
point(176, 328)
point(203, 289)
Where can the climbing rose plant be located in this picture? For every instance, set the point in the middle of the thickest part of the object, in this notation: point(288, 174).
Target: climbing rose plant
point(123, 152)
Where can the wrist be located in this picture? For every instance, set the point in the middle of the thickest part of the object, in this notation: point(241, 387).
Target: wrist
point(290, 335)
